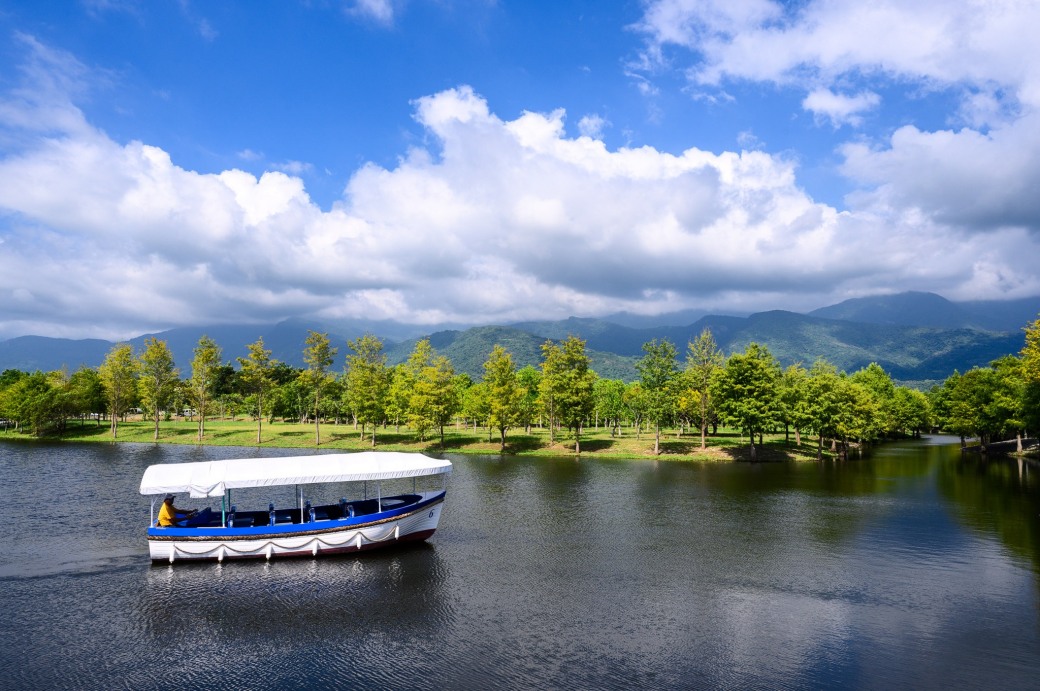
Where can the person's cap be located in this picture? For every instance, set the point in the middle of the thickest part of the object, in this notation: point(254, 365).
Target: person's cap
point(168, 497)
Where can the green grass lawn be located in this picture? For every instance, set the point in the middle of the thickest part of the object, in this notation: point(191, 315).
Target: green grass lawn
point(596, 443)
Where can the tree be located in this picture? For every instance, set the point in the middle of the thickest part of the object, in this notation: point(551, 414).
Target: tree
point(205, 368)
point(30, 400)
point(368, 380)
point(1030, 357)
point(119, 375)
point(747, 391)
point(63, 402)
point(882, 390)
point(318, 355)
point(158, 378)
point(610, 402)
point(794, 399)
point(398, 395)
point(566, 387)
point(528, 378)
point(703, 360)
point(420, 416)
point(88, 391)
point(504, 392)
point(256, 375)
point(971, 409)
point(912, 411)
point(476, 405)
point(824, 402)
point(438, 384)
point(657, 372)
point(1008, 406)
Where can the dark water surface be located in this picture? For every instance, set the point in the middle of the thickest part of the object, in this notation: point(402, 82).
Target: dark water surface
point(911, 568)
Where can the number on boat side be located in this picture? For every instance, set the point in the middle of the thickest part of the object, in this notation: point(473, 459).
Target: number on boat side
point(431, 514)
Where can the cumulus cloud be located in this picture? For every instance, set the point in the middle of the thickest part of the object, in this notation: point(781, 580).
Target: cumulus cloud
point(978, 176)
point(499, 220)
point(593, 126)
point(974, 42)
point(379, 11)
point(840, 109)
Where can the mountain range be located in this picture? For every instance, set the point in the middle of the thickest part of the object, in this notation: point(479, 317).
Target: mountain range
point(916, 337)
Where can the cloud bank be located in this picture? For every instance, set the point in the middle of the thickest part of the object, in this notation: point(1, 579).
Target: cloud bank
point(493, 220)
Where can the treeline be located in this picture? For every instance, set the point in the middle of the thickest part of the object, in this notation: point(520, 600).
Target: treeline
point(692, 393)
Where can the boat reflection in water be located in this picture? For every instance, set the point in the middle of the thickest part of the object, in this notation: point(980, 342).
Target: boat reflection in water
point(303, 531)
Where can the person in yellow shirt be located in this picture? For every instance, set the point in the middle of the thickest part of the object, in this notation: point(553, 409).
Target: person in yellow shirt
point(170, 515)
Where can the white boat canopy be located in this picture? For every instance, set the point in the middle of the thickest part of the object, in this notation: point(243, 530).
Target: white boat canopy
point(213, 478)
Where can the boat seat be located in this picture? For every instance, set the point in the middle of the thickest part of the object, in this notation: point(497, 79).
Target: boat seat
point(243, 521)
point(321, 515)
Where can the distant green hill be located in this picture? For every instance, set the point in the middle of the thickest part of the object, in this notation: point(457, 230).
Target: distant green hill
point(917, 337)
point(469, 349)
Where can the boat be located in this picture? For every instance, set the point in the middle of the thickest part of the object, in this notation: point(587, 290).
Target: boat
point(304, 530)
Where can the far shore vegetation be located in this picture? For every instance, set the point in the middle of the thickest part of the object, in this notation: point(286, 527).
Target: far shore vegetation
point(699, 405)
point(725, 445)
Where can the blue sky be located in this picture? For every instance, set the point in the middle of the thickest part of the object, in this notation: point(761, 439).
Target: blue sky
point(482, 161)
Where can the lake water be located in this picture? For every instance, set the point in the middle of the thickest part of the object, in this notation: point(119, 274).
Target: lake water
point(910, 568)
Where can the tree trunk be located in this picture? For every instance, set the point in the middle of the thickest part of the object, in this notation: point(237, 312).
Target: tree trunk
point(657, 439)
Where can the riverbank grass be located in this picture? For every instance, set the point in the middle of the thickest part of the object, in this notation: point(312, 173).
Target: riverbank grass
point(727, 445)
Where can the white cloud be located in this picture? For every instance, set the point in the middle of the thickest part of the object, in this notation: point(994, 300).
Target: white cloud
point(840, 109)
point(505, 220)
point(380, 11)
point(842, 53)
point(964, 178)
point(592, 126)
point(972, 42)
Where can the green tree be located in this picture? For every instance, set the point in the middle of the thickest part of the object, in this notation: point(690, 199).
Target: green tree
point(257, 377)
point(912, 411)
point(567, 383)
point(528, 377)
point(657, 373)
point(794, 399)
point(88, 391)
point(420, 414)
point(64, 404)
point(1030, 372)
point(610, 402)
point(703, 360)
point(158, 378)
point(367, 382)
point(972, 401)
point(747, 390)
point(505, 394)
point(318, 355)
point(399, 392)
point(439, 380)
point(476, 405)
point(30, 400)
point(635, 402)
point(205, 367)
point(882, 391)
point(119, 375)
point(824, 398)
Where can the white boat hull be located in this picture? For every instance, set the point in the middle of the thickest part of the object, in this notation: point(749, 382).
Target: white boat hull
point(311, 540)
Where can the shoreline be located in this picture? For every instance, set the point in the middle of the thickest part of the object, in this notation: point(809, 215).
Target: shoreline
point(726, 446)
